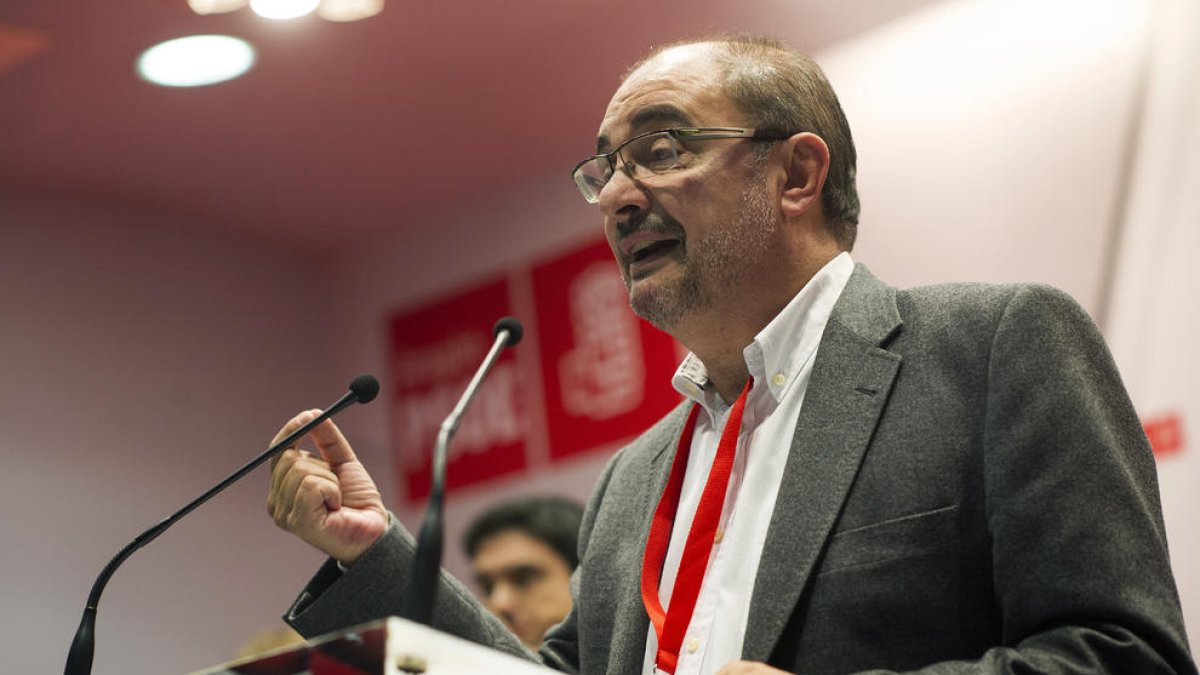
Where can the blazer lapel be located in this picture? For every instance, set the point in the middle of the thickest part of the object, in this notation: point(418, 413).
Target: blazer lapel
point(846, 394)
point(632, 627)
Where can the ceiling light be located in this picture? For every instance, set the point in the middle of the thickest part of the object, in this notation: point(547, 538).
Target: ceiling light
point(215, 6)
point(196, 60)
point(348, 10)
point(283, 9)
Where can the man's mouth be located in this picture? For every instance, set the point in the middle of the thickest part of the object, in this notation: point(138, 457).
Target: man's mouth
point(649, 249)
point(644, 251)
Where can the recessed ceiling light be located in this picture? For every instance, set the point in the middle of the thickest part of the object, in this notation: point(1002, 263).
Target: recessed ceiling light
point(215, 6)
point(196, 60)
point(283, 9)
point(349, 10)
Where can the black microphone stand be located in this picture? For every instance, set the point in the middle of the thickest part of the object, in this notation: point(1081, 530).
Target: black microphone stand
point(422, 586)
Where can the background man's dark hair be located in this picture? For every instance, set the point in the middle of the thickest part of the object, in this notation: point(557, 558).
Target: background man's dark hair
point(553, 520)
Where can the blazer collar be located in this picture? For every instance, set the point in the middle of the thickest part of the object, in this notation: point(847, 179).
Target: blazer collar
point(867, 308)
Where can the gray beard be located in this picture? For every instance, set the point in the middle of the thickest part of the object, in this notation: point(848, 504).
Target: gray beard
point(713, 266)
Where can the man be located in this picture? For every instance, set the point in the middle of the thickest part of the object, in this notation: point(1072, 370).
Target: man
point(945, 479)
point(523, 552)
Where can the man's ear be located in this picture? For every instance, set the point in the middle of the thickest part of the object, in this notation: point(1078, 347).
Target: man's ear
point(807, 159)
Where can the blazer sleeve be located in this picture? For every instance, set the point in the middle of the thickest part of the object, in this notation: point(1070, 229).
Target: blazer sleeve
point(374, 588)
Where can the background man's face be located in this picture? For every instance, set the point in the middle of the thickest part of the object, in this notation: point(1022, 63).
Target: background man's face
point(524, 582)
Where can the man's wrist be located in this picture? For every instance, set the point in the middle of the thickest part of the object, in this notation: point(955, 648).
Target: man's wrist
point(344, 565)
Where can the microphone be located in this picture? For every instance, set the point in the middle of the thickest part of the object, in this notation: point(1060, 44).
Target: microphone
point(363, 389)
point(418, 604)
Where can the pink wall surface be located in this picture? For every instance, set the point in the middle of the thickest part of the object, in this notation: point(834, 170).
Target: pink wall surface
point(142, 362)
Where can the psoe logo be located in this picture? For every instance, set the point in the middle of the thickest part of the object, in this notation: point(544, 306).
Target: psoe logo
point(1166, 434)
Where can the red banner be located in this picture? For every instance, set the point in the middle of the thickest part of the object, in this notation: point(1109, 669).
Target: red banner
point(1165, 433)
point(606, 374)
point(434, 352)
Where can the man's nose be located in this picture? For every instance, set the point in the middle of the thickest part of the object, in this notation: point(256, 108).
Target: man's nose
point(622, 194)
point(502, 598)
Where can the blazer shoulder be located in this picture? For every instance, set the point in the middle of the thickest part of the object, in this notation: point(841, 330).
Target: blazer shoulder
point(971, 303)
point(983, 294)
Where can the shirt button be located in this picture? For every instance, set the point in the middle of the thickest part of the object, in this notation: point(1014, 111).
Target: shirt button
point(719, 535)
point(779, 379)
point(693, 644)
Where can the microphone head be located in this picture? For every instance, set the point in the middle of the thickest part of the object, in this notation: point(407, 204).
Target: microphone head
point(514, 328)
point(365, 388)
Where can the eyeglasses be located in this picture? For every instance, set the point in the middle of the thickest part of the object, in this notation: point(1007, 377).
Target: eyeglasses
point(656, 152)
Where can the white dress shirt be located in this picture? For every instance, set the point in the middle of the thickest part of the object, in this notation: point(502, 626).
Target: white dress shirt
point(780, 360)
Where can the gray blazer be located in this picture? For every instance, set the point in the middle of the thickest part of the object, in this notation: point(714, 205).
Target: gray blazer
point(968, 491)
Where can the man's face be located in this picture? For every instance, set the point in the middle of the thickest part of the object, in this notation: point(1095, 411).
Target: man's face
point(524, 582)
point(691, 240)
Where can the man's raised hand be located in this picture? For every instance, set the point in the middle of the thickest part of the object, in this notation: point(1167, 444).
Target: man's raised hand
point(326, 499)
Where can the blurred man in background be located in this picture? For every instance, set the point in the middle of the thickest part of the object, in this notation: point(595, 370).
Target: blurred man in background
point(523, 553)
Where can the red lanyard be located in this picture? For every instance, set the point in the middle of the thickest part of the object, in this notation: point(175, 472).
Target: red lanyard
point(672, 624)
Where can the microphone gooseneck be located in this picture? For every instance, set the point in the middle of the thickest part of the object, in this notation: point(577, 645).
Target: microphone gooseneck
point(363, 389)
point(422, 580)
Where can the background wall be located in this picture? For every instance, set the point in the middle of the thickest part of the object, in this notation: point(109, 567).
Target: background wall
point(144, 359)
point(1153, 316)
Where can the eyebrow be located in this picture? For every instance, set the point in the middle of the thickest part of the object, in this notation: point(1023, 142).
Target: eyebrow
point(509, 572)
point(663, 113)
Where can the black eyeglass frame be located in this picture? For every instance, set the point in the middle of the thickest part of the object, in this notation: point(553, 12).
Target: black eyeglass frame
point(592, 195)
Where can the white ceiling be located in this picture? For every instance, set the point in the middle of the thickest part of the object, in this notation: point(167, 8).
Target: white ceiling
point(341, 130)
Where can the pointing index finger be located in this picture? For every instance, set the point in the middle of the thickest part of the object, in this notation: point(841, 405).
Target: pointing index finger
point(293, 424)
point(332, 444)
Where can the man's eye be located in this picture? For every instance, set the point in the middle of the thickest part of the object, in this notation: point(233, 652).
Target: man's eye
point(656, 153)
point(526, 577)
point(661, 154)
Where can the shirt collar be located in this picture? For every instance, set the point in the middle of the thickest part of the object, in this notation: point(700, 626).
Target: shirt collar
point(780, 351)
